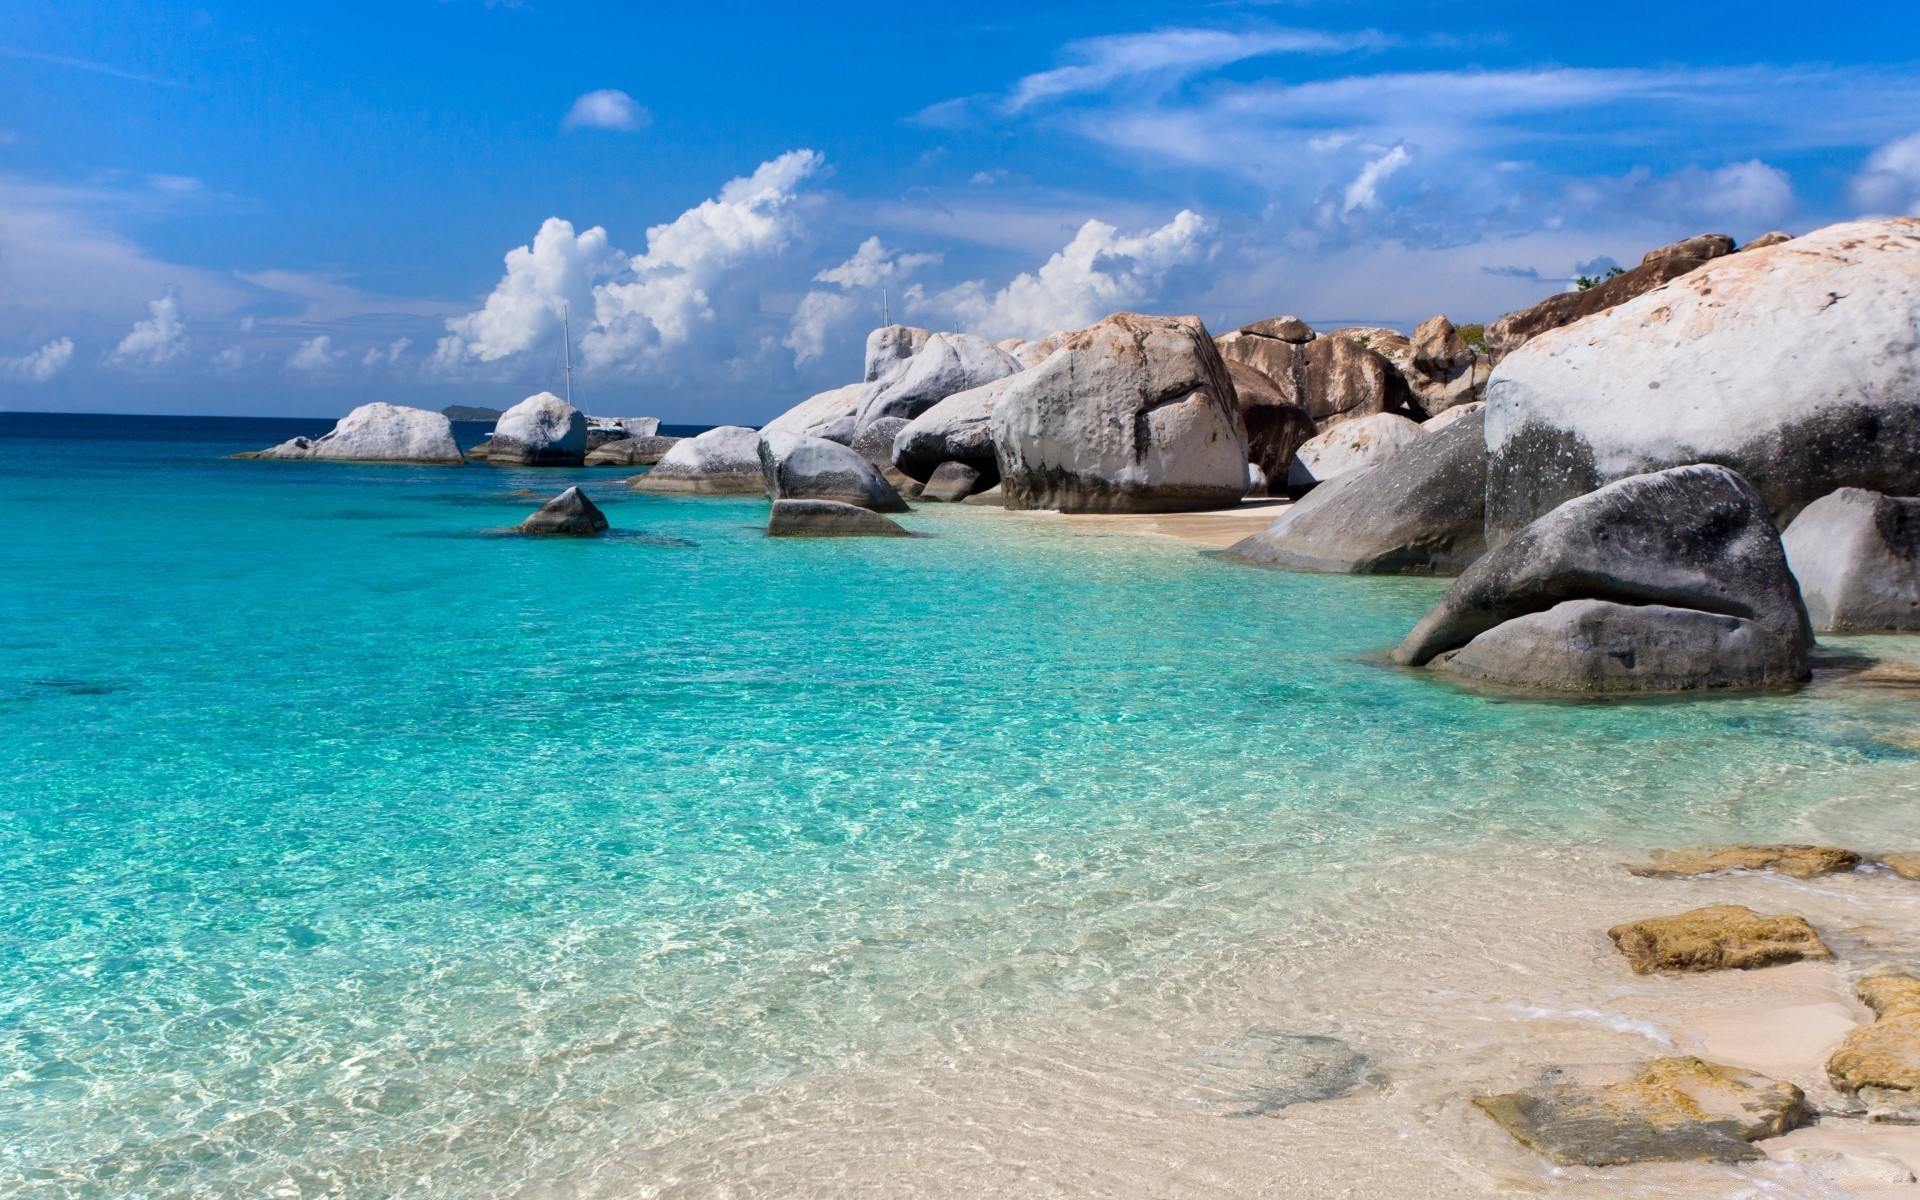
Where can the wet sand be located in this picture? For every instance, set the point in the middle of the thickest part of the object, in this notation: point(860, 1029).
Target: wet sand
point(1216, 529)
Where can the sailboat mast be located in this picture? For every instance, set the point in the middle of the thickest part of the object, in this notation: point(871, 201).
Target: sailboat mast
point(566, 340)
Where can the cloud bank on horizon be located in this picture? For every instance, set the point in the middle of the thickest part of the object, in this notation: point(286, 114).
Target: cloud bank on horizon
point(1234, 171)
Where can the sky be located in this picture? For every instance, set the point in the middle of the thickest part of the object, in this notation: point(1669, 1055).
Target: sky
point(292, 208)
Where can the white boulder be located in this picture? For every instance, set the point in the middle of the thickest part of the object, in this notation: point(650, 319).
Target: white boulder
point(720, 462)
point(541, 431)
point(379, 433)
point(948, 363)
point(1857, 556)
point(1350, 446)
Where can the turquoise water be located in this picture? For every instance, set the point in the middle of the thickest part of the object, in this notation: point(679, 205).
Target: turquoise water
point(347, 848)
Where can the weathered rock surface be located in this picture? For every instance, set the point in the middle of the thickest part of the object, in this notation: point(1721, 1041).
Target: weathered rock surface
point(1276, 427)
point(947, 364)
point(951, 483)
point(1716, 938)
point(830, 415)
point(958, 429)
point(1265, 1070)
point(720, 462)
point(1677, 1110)
point(1905, 865)
point(1799, 861)
point(1032, 354)
point(377, 433)
point(1658, 582)
point(1285, 329)
point(1797, 365)
point(1133, 414)
point(1659, 266)
point(477, 453)
point(569, 514)
point(1331, 379)
point(541, 431)
point(631, 452)
point(993, 497)
point(804, 468)
point(603, 431)
point(1442, 371)
point(1699, 247)
point(1348, 447)
point(828, 518)
point(1857, 556)
point(1847, 1169)
point(1881, 1061)
point(1418, 512)
point(1458, 412)
point(875, 442)
point(1768, 239)
point(888, 346)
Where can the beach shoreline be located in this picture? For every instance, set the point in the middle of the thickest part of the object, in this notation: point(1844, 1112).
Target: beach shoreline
point(1215, 529)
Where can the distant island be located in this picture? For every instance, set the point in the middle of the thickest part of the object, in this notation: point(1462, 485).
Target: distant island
point(466, 412)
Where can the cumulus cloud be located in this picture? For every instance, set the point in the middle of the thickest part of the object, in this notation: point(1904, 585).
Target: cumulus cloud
point(314, 355)
point(1364, 191)
point(1889, 183)
point(821, 313)
point(233, 359)
point(386, 355)
point(42, 364)
point(156, 341)
point(1747, 194)
point(1100, 271)
point(608, 108)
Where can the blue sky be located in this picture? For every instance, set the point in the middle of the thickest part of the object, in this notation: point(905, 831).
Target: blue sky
point(292, 208)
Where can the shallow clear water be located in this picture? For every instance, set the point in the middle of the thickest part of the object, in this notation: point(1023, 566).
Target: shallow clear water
point(347, 848)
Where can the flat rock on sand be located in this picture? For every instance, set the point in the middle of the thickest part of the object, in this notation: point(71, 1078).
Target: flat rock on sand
point(1801, 862)
point(1677, 1110)
point(1716, 938)
point(1881, 1061)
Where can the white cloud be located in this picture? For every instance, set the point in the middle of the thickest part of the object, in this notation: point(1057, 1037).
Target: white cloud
point(1747, 194)
point(1364, 191)
point(1889, 183)
point(386, 355)
point(873, 264)
point(1100, 271)
point(608, 108)
point(233, 359)
point(1170, 54)
point(156, 341)
point(42, 364)
point(556, 271)
point(314, 355)
point(821, 314)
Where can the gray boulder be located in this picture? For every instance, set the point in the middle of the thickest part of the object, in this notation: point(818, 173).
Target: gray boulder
point(1349, 446)
point(875, 442)
point(828, 518)
point(1857, 556)
point(1133, 414)
point(1419, 512)
point(1695, 587)
point(1797, 366)
point(829, 415)
point(541, 431)
point(1700, 246)
point(958, 429)
point(602, 431)
point(889, 345)
point(570, 514)
point(948, 363)
point(378, 433)
point(1441, 370)
point(1768, 239)
point(631, 452)
point(720, 462)
point(804, 468)
point(951, 483)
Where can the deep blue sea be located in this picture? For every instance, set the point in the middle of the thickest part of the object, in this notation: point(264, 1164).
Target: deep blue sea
point(352, 847)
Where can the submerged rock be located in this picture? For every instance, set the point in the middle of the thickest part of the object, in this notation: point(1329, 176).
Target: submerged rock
point(1857, 556)
point(570, 514)
point(631, 452)
point(720, 462)
point(951, 483)
point(1719, 937)
point(804, 468)
point(1801, 862)
point(1905, 865)
point(1267, 1070)
point(828, 518)
point(1846, 1168)
point(378, 433)
point(1677, 1110)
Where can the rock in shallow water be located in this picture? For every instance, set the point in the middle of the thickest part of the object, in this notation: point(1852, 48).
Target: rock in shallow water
point(569, 514)
point(377, 433)
point(1799, 861)
point(540, 431)
point(724, 461)
point(1266, 1070)
point(631, 452)
point(828, 518)
point(808, 468)
point(1857, 556)
point(951, 483)
point(1719, 937)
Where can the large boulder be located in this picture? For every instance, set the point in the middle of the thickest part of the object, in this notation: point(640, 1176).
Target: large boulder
point(1797, 365)
point(948, 363)
point(875, 442)
point(1350, 446)
point(1032, 354)
point(1330, 378)
point(828, 518)
point(570, 514)
point(1276, 427)
point(804, 468)
point(541, 431)
point(829, 415)
point(889, 345)
point(1133, 414)
point(378, 433)
point(631, 452)
point(720, 462)
point(603, 431)
point(1660, 266)
point(1418, 512)
point(1659, 582)
point(1857, 556)
point(958, 429)
point(951, 483)
point(1441, 369)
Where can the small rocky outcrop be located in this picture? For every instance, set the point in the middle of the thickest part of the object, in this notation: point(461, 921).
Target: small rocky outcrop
point(947, 364)
point(720, 462)
point(479, 453)
point(1906, 865)
point(1881, 1062)
point(631, 452)
point(1349, 446)
point(1676, 1110)
point(1442, 371)
point(890, 345)
point(570, 514)
point(602, 431)
point(1418, 512)
point(1133, 414)
point(377, 433)
point(951, 483)
point(540, 431)
point(830, 415)
point(958, 429)
point(1660, 266)
point(1661, 582)
point(804, 468)
point(1801, 862)
point(1276, 427)
point(1857, 556)
point(1777, 237)
point(1331, 378)
point(828, 518)
point(1720, 937)
point(1796, 366)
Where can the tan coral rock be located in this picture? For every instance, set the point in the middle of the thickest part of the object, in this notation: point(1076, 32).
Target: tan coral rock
point(1719, 937)
point(1881, 1061)
point(1906, 865)
point(1801, 862)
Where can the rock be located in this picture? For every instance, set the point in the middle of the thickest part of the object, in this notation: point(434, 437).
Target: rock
point(948, 363)
point(958, 429)
point(1657, 582)
point(1441, 370)
point(1846, 1168)
point(1660, 266)
point(1801, 862)
point(830, 415)
point(631, 452)
point(540, 431)
point(804, 468)
point(1332, 379)
point(1906, 866)
point(1458, 412)
point(1857, 556)
point(1285, 329)
point(875, 442)
point(889, 345)
point(603, 430)
point(1276, 427)
point(1032, 354)
point(570, 513)
point(1881, 1061)
point(1133, 414)
point(828, 518)
point(993, 497)
point(720, 462)
point(1350, 446)
point(378, 433)
point(950, 483)
point(1768, 239)
point(1717, 938)
point(1699, 248)
point(479, 453)
point(1265, 1070)
point(1677, 1110)
point(1795, 365)
point(1417, 512)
